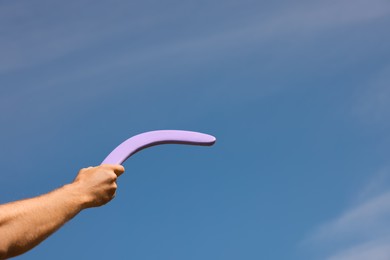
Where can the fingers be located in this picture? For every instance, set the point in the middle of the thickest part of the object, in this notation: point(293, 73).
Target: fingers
point(117, 168)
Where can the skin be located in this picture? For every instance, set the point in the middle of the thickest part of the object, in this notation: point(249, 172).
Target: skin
point(26, 223)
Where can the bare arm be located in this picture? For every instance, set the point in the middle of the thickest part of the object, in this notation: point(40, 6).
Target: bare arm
point(26, 223)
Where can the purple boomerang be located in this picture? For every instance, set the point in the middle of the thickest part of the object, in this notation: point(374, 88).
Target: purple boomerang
point(139, 142)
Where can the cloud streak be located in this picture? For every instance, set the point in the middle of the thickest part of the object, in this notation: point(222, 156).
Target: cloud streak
point(367, 219)
point(378, 250)
point(361, 232)
point(40, 41)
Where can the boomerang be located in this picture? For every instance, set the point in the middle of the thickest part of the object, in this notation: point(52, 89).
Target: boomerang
point(139, 142)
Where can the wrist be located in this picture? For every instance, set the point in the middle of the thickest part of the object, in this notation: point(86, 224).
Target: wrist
point(75, 192)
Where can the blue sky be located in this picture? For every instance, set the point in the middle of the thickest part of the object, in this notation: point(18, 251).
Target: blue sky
point(296, 92)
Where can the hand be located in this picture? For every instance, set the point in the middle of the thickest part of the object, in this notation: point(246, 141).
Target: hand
point(97, 185)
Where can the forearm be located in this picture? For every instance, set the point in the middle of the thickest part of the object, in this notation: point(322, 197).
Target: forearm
point(24, 224)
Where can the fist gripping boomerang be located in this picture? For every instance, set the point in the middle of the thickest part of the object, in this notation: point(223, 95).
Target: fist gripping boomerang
point(139, 142)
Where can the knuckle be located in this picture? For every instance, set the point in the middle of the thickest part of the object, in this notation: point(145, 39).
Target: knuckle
point(112, 176)
point(109, 174)
point(111, 190)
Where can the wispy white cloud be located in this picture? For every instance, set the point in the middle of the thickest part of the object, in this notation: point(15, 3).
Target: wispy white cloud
point(367, 219)
point(362, 231)
point(37, 37)
point(378, 250)
point(40, 31)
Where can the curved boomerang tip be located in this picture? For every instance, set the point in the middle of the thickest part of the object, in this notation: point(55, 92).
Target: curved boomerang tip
point(139, 142)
